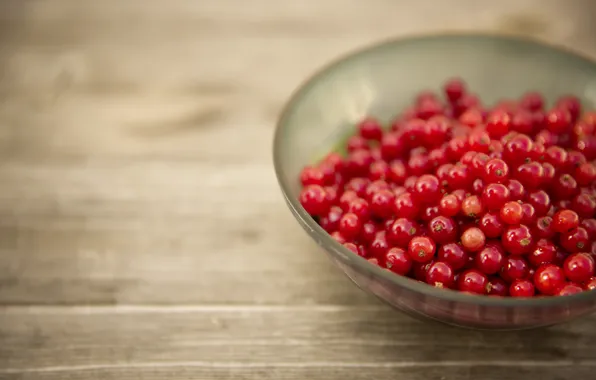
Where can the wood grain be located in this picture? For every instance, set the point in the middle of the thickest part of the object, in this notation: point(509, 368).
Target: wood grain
point(116, 341)
point(142, 233)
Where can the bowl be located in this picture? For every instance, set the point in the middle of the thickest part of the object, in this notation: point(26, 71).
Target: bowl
point(381, 80)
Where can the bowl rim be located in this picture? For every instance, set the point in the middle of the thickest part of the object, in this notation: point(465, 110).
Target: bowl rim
point(347, 256)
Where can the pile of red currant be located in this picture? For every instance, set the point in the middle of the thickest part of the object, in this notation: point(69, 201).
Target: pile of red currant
point(495, 200)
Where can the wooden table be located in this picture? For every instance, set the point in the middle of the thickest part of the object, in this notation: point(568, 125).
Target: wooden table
point(142, 232)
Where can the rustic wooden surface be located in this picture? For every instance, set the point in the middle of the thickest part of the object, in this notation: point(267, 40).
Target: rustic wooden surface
point(142, 234)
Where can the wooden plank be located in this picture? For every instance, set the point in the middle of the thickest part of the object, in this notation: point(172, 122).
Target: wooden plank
point(156, 233)
point(220, 341)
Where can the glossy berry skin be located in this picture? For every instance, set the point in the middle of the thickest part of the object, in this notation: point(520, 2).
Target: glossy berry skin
point(405, 206)
point(565, 220)
point(549, 279)
point(440, 275)
point(442, 230)
point(517, 192)
point(454, 255)
point(498, 287)
point(521, 288)
point(496, 171)
point(379, 246)
point(402, 231)
point(490, 260)
point(590, 284)
point(473, 239)
point(514, 268)
point(517, 240)
point(473, 281)
point(544, 252)
point(398, 261)
point(350, 225)
point(360, 207)
point(569, 290)
point(491, 225)
point(421, 249)
point(472, 206)
point(370, 129)
point(541, 202)
point(543, 228)
point(579, 267)
point(511, 213)
point(495, 195)
point(381, 203)
point(427, 189)
point(575, 240)
point(449, 205)
point(314, 200)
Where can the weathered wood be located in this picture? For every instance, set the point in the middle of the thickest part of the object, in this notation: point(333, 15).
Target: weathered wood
point(219, 340)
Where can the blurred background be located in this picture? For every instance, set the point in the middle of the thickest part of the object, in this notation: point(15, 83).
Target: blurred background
point(136, 174)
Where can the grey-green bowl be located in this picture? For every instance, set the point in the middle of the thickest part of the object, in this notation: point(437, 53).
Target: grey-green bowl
point(381, 80)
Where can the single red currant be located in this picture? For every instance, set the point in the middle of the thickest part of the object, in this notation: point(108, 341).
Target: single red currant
point(421, 249)
point(398, 261)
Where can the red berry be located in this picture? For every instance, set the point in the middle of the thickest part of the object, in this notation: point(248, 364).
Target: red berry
point(584, 205)
point(496, 171)
point(440, 275)
point(402, 231)
point(558, 120)
point(585, 174)
point(543, 228)
point(543, 253)
point(358, 185)
point(449, 205)
point(361, 208)
point(378, 170)
point(454, 255)
point(528, 214)
point(575, 240)
point(521, 288)
point(379, 246)
point(532, 101)
point(314, 200)
point(405, 206)
point(565, 220)
point(368, 232)
point(350, 225)
point(454, 89)
point(473, 239)
point(495, 195)
point(472, 206)
point(330, 222)
point(498, 124)
point(491, 225)
point(370, 129)
point(421, 249)
point(381, 203)
point(569, 290)
point(392, 146)
point(516, 190)
point(427, 189)
point(590, 284)
point(398, 261)
point(515, 267)
point(517, 240)
point(442, 230)
point(473, 281)
point(530, 175)
point(346, 198)
point(490, 260)
point(579, 267)
point(549, 279)
point(511, 213)
point(517, 150)
point(590, 226)
point(498, 287)
point(541, 202)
